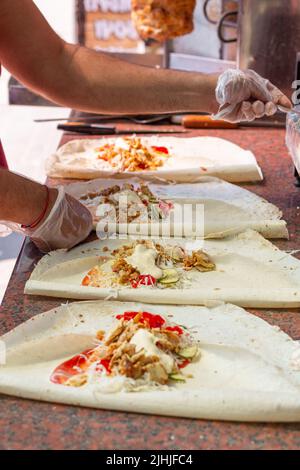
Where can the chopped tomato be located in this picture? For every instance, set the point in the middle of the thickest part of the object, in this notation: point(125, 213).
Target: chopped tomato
point(73, 366)
point(105, 363)
point(104, 147)
point(86, 281)
point(144, 280)
point(161, 149)
point(127, 315)
point(184, 363)
point(154, 321)
point(176, 329)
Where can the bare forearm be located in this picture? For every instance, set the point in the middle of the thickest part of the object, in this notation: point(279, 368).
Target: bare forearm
point(97, 82)
point(76, 77)
point(21, 200)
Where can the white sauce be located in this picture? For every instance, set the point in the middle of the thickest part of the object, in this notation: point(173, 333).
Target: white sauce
point(107, 266)
point(121, 144)
point(143, 339)
point(143, 259)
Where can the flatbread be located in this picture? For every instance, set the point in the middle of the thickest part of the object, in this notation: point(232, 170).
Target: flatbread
point(248, 370)
point(250, 272)
point(190, 158)
point(228, 209)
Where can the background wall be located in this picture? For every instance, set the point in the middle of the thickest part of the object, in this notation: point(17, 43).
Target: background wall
point(61, 16)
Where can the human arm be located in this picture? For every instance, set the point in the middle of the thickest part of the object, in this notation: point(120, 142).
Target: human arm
point(64, 223)
point(83, 79)
point(80, 78)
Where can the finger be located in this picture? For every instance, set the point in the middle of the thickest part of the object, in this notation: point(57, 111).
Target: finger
point(227, 112)
point(270, 108)
point(258, 108)
point(284, 101)
point(258, 87)
point(278, 96)
point(247, 110)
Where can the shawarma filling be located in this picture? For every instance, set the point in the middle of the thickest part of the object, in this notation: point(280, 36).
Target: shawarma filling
point(142, 347)
point(127, 204)
point(130, 154)
point(146, 263)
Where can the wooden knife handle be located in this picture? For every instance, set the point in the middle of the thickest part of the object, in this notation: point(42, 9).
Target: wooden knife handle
point(202, 122)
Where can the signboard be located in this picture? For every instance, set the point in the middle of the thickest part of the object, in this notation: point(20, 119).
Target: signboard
point(106, 25)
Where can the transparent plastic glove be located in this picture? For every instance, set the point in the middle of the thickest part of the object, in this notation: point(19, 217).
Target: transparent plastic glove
point(68, 223)
point(4, 229)
point(245, 96)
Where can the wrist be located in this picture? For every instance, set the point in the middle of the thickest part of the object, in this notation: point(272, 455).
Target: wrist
point(212, 103)
point(45, 209)
point(203, 93)
point(42, 205)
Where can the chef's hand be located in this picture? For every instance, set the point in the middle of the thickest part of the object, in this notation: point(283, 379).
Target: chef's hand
point(245, 96)
point(67, 224)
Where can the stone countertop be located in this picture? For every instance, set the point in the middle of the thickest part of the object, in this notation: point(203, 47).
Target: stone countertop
point(27, 424)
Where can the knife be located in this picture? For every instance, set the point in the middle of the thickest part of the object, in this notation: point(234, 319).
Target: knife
point(286, 110)
point(94, 129)
point(206, 122)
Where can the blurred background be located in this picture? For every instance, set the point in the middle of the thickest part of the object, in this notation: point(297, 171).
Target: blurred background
point(207, 36)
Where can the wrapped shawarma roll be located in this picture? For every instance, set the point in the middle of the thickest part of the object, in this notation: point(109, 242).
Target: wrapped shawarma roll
point(163, 19)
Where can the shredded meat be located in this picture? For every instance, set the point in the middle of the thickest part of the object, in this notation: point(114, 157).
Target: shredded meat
point(163, 20)
point(77, 381)
point(126, 272)
point(105, 192)
point(198, 260)
point(137, 157)
point(117, 355)
point(115, 334)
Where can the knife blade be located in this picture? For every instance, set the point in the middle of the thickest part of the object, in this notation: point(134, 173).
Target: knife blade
point(93, 129)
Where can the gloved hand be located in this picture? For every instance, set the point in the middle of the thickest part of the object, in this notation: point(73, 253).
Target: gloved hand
point(245, 96)
point(67, 224)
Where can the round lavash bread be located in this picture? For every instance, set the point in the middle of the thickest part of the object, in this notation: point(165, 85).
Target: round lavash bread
point(164, 19)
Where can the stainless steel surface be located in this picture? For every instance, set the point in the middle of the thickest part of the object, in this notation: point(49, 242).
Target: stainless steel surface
point(222, 24)
point(269, 39)
point(203, 43)
point(229, 30)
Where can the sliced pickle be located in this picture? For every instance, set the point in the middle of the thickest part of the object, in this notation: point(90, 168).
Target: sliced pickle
point(189, 352)
point(170, 276)
point(177, 377)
